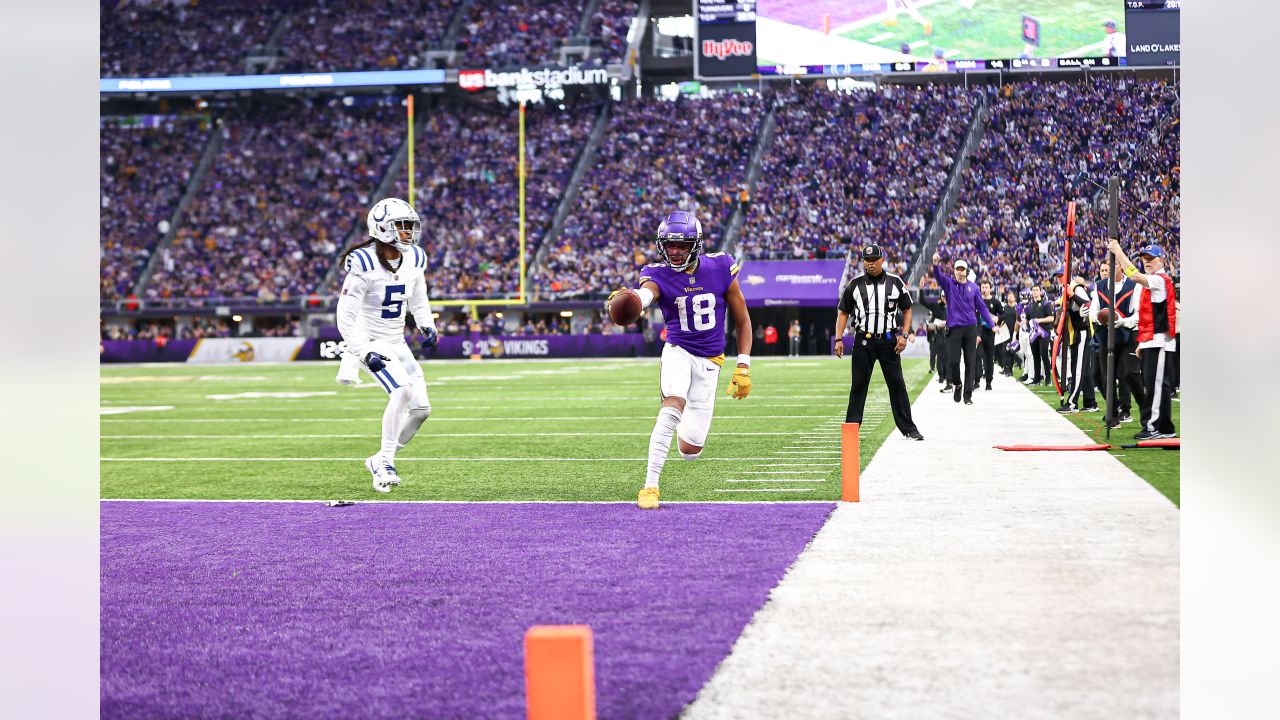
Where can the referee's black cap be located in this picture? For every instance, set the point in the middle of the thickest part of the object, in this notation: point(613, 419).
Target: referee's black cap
point(871, 252)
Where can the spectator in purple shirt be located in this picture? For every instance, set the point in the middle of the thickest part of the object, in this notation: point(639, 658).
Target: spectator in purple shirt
point(964, 302)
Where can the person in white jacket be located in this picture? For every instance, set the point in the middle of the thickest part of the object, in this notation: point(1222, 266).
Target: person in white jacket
point(386, 276)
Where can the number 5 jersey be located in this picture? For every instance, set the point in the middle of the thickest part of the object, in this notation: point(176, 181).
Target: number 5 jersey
point(373, 300)
point(693, 304)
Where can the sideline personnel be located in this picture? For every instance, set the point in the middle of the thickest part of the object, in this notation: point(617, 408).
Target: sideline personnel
point(1157, 337)
point(873, 300)
point(964, 304)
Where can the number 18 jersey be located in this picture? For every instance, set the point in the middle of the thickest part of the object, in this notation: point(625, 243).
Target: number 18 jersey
point(693, 304)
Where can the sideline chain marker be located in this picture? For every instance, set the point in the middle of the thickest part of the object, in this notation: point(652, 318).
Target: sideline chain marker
point(559, 673)
point(849, 459)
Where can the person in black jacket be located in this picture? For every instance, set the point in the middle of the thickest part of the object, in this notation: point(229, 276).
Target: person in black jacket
point(937, 343)
point(987, 336)
point(1128, 371)
point(1040, 316)
point(1005, 354)
point(1078, 340)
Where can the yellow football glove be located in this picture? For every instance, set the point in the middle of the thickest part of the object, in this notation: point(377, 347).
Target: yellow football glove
point(611, 296)
point(740, 384)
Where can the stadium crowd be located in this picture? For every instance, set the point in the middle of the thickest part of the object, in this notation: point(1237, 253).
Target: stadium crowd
point(466, 193)
point(610, 23)
point(344, 35)
point(178, 37)
point(1043, 135)
point(144, 172)
point(287, 185)
point(523, 32)
point(646, 164)
point(866, 167)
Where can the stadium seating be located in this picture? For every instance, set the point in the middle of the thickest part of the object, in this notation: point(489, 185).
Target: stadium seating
point(650, 162)
point(292, 180)
point(289, 183)
point(144, 173)
point(610, 23)
point(523, 32)
point(140, 39)
point(865, 167)
point(342, 35)
point(1042, 135)
point(466, 191)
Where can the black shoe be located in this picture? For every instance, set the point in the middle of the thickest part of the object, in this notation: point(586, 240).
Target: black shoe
point(955, 394)
point(1090, 408)
point(988, 386)
point(968, 401)
point(946, 389)
point(1147, 435)
point(913, 435)
point(1125, 418)
point(1068, 409)
point(1113, 425)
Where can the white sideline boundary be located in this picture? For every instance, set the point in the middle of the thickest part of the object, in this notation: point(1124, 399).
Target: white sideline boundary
point(972, 583)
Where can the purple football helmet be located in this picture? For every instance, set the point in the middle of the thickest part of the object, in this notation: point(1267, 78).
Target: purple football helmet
point(680, 227)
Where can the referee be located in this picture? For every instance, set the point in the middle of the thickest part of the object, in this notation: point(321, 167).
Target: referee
point(873, 300)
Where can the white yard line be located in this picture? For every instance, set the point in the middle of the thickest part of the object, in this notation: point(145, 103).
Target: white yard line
point(972, 583)
point(435, 419)
point(759, 490)
point(423, 434)
point(473, 502)
point(411, 459)
point(777, 472)
point(780, 480)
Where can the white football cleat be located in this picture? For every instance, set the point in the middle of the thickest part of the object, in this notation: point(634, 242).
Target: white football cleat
point(381, 483)
point(393, 477)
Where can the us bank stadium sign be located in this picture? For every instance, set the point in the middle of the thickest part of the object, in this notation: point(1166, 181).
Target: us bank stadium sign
point(542, 78)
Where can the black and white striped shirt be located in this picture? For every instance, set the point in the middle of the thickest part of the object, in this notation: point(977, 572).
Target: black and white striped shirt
point(872, 303)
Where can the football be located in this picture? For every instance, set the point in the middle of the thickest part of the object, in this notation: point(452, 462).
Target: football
point(1103, 315)
point(625, 307)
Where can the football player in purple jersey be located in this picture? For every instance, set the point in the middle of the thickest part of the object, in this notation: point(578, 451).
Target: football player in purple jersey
point(693, 290)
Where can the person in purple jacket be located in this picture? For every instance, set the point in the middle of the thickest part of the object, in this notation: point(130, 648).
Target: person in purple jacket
point(693, 290)
point(964, 303)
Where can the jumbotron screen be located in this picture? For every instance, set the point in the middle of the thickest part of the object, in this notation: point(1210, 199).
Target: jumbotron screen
point(838, 37)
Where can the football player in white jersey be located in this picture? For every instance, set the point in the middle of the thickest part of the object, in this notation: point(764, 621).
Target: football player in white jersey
point(384, 275)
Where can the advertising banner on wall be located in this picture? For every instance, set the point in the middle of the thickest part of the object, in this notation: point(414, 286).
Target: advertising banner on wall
point(246, 350)
point(770, 283)
point(507, 346)
point(139, 351)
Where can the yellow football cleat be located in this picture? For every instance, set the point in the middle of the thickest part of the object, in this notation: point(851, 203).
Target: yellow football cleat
point(648, 499)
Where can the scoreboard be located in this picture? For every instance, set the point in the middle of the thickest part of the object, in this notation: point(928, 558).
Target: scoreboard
point(727, 12)
point(726, 40)
point(865, 37)
point(1154, 31)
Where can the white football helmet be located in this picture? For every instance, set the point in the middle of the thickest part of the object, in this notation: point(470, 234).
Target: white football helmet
point(389, 217)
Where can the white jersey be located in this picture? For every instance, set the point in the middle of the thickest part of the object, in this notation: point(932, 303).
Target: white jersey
point(373, 301)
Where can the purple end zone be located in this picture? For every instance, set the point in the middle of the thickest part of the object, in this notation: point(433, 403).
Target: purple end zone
point(419, 610)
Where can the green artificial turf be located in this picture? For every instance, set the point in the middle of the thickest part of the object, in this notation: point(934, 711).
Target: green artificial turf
point(499, 430)
point(1158, 467)
point(993, 28)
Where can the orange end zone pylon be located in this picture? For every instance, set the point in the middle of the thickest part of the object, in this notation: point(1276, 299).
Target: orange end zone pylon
point(849, 459)
point(559, 673)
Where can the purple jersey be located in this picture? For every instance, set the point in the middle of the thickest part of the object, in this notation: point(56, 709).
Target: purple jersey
point(693, 304)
